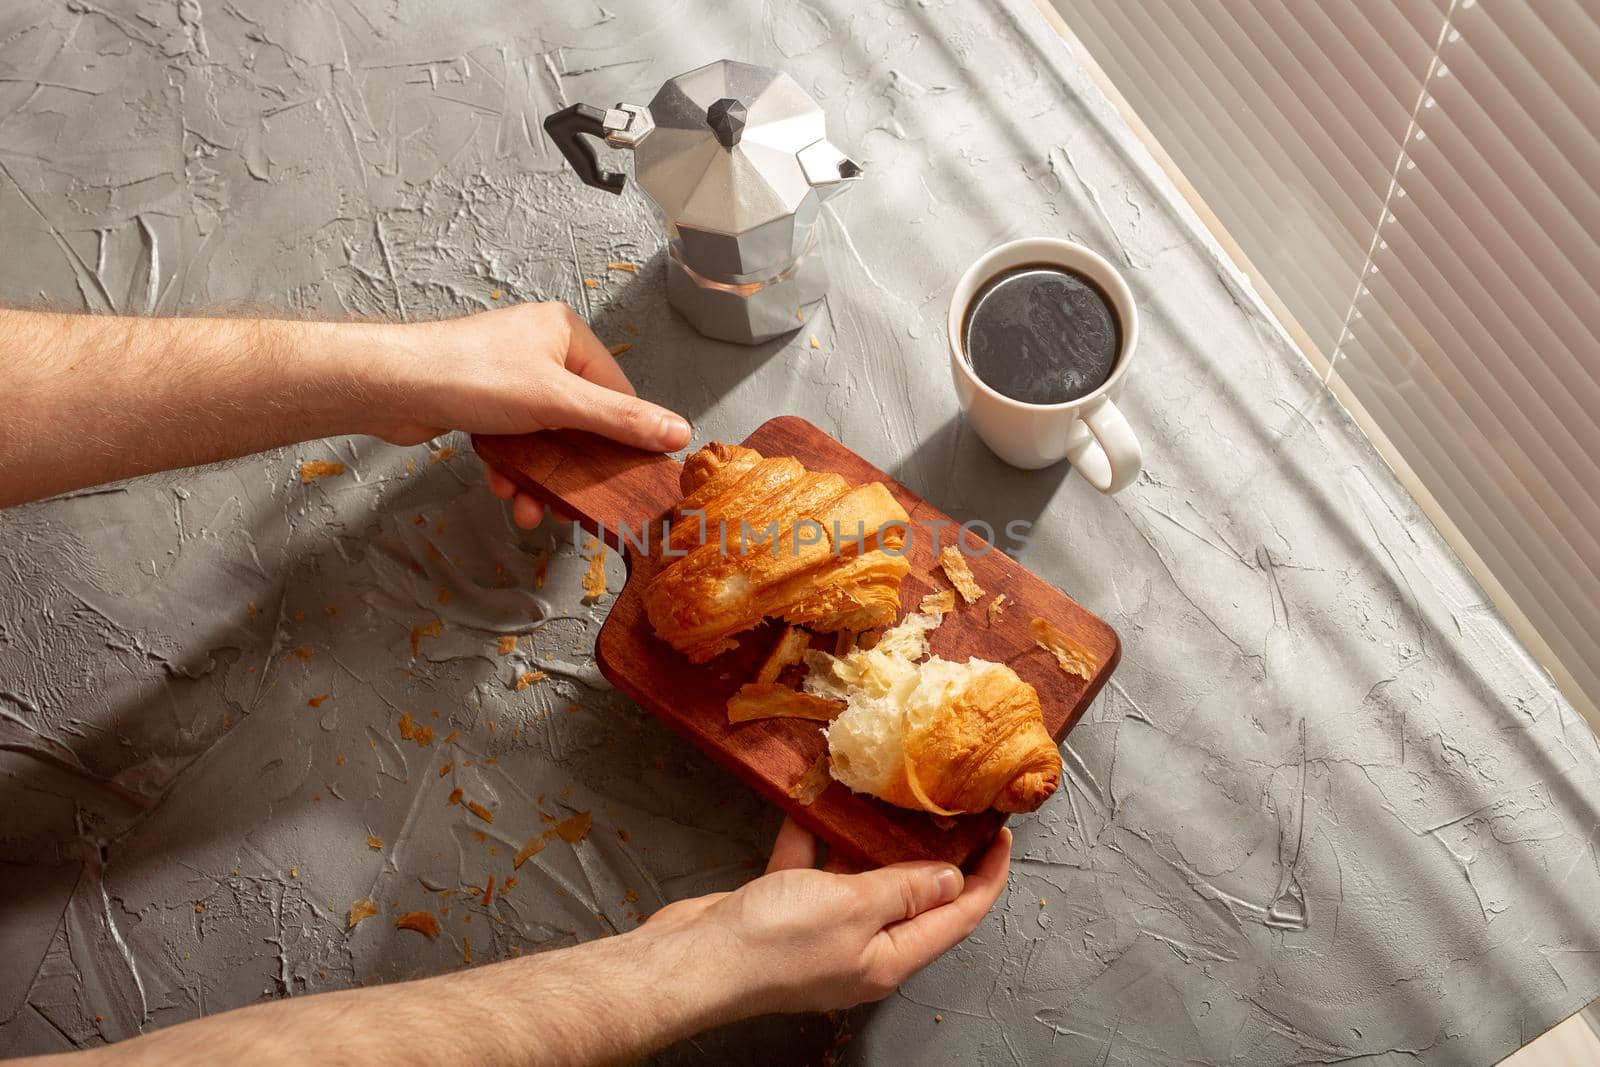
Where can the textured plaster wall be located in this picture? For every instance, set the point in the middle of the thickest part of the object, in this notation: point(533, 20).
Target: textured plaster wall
point(1327, 810)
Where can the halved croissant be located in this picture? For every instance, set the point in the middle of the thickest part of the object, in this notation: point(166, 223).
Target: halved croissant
point(935, 735)
point(750, 555)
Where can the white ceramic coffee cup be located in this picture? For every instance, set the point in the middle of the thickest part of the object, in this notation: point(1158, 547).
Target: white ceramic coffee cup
point(1089, 431)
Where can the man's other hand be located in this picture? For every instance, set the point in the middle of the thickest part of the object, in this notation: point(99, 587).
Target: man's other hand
point(816, 940)
point(516, 370)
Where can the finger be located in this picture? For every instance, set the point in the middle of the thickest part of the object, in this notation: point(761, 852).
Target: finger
point(588, 357)
point(835, 864)
point(919, 941)
point(579, 404)
point(526, 512)
point(904, 890)
point(795, 847)
point(499, 484)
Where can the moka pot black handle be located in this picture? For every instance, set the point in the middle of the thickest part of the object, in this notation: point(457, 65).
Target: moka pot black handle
point(567, 128)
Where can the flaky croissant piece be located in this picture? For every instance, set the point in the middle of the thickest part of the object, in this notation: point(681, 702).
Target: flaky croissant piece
point(935, 735)
point(734, 575)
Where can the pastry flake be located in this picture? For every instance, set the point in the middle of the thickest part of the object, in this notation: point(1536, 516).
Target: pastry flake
point(530, 848)
point(359, 910)
point(769, 700)
point(422, 922)
point(996, 606)
point(314, 470)
point(955, 568)
point(594, 579)
point(432, 629)
point(788, 650)
point(410, 730)
point(813, 783)
point(1072, 657)
point(576, 828)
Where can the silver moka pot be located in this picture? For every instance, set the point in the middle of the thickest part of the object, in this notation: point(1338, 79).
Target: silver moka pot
point(737, 158)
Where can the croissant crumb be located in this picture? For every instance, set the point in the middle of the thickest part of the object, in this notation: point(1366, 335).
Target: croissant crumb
point(422, 922)
point(576, 828)
point(769, 700)
point(359, 910)
point(813, 783)
point(530, 848)
point(996, 606)
point(1072, 657)
point(786, 652)
point(314, 470)
point(955, 568)
point(594, 579)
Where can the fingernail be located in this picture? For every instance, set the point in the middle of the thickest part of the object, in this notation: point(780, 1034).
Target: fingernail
point(950, 882)
point(674, 432)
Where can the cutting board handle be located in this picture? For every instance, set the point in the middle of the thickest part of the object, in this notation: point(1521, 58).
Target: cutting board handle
point(600, 483)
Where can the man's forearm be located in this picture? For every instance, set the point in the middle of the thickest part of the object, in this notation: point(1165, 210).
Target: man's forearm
point(90, 399)
point(608, 1001)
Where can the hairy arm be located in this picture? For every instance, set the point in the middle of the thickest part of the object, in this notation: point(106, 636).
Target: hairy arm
point(797, 939)
point(604, 1002)
point(92, 399)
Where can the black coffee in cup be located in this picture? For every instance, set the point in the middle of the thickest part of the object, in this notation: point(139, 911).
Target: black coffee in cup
point(1042, 334)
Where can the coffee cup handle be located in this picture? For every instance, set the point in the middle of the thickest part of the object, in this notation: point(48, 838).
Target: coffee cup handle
point(1108, 455)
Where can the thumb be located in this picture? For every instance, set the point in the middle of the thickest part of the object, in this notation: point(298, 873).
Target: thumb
point(905, 890)
point(580, 404)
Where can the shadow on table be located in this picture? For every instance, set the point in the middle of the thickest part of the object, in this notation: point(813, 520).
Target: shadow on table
point(668, 361)
point(953, 470)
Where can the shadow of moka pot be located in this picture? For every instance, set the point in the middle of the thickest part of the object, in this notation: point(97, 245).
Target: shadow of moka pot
point(737, 158)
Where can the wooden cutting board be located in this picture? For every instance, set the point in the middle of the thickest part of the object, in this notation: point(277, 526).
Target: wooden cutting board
point(603, 484)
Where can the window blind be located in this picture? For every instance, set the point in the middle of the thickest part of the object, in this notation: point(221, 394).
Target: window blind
point(1415, 181)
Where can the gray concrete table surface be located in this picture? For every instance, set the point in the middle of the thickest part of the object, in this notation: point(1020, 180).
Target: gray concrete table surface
point(1327, 810)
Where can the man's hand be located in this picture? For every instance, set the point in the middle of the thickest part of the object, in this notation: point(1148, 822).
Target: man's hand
point(97, 398)
point(516, 370)
point(810, 940)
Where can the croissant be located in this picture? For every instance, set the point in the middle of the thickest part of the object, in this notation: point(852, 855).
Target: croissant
point(934, 735)
point(749, 552)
